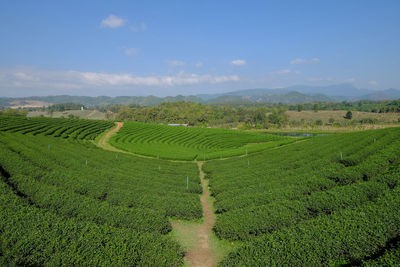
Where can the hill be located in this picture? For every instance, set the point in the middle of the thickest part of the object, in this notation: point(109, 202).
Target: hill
point(289, 95)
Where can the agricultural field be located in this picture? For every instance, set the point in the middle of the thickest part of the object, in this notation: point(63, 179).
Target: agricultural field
point(65, 202)
point(328, 200)
point(82, 114)
point(64, 128)
point(338, 116)
point(190, 143)
point(321, 200)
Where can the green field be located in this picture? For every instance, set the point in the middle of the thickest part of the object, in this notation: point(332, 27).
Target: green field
point(65, 202)
point(65, 128)
point(189, 143)
point(328, 200)
point(321, 201)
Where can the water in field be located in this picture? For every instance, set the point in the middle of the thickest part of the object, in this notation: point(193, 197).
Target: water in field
point(299, 134)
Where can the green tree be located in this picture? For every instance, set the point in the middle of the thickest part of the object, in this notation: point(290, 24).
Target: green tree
point(299, 107)
point(316, 107)
point(349, 115)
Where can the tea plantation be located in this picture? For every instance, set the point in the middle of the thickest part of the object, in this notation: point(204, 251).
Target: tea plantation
point(328, 200)
point(58, 127)
point(190, 143)
point(321, 201)
point(65, 202)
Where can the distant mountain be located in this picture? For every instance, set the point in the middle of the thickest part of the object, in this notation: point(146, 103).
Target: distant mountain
point(97, 101)
point(260, 97)
point(338, 92)
point(388, 94)
point(290, 95)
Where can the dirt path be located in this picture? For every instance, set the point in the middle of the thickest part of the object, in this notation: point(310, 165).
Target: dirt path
point(103, 142)
point(197, 237)
point(202, 254)
point(91, 114)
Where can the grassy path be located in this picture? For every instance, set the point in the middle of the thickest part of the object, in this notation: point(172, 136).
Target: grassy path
point(202, 247)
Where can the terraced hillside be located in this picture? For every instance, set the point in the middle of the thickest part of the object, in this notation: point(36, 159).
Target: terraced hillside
point(329, 200)
point(188, 143)
point(79, 129)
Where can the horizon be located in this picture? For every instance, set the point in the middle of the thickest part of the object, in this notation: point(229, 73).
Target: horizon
point(291, 90)
point(167, 49)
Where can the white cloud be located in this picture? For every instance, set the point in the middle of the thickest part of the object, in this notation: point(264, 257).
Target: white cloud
point(304, 61)
point(372, 83)
point(139, 28)
point(33, 78)
point(175, 63)
point(320, 79)
point(348, 80)
point(199, 64)
point(238, 62)
point(333, 80)
point(285, 71)
point(25, 77)
point(130, 51)
point(112, 21)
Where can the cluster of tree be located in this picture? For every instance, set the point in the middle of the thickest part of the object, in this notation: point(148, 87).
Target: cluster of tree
point(202, 115)
point(383, 106)
point(64, 106)
point(13, 112)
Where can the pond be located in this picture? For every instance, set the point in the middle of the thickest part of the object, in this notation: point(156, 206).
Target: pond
point(299, 134)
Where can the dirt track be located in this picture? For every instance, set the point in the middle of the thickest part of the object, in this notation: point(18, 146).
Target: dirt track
point(103, 142)
point(203, 255)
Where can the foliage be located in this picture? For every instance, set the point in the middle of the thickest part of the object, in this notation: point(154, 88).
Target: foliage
point(267, 199)
point(345, 237)
point(71, 203)
point(64, 107)
point(196, 114)
point(65, 128)
point(13, 112)
point(349, 115)
point(189, 143)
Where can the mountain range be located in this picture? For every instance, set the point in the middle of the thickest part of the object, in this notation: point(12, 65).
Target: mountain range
point(289, 95)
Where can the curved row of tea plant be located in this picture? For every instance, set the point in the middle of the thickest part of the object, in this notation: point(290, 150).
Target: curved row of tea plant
point(115, 206)
point(79, 129)
point(391, 257)
point(345, 237)
point(266, 193)
point(189, 143)
point(31, 236)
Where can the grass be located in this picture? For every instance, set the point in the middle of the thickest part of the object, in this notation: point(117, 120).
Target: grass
point(337, 115)
point(83, 114)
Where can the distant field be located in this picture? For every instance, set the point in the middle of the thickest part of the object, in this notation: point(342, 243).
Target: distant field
point(28, 104)
point(337, 115)
point(187, 143)
point(83, 114)
point(58, 127)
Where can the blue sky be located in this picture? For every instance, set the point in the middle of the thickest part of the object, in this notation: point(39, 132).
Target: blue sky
point(191, 47)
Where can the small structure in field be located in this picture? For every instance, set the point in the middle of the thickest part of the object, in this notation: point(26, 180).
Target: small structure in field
point(178, 124)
